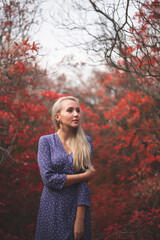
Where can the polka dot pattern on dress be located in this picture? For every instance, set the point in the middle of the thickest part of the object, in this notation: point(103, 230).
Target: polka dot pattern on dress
point(58, 204)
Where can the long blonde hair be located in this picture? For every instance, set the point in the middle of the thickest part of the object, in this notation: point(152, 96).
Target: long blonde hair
point(78, 144)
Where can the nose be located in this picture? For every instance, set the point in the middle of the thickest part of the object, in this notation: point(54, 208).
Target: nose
point(76, 113)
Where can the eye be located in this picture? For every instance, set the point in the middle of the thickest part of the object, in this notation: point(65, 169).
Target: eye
point(78, 110)
point(70, 110)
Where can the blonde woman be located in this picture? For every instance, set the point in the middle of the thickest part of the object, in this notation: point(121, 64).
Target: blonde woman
point(64, 160)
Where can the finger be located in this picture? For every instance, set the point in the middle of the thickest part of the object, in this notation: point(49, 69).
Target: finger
point(76, 237)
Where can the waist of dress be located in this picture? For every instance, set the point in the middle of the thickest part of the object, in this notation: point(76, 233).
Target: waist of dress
point(64, 190)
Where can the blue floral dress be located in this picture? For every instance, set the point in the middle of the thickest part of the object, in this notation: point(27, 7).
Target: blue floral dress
point(58, 204)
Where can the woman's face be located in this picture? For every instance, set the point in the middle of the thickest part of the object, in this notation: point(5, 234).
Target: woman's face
point(70, 114)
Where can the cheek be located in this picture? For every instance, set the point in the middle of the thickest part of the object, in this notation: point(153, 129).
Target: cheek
point(65, 116)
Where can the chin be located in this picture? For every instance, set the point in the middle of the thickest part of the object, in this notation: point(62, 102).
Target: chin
point(75, 126)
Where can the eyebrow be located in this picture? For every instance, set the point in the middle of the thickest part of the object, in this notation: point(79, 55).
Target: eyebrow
point(73, 108)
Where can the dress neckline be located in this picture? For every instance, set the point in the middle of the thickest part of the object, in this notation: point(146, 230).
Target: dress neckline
point(68, 154)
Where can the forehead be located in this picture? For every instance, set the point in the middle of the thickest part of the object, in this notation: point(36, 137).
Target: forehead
point(69, 103)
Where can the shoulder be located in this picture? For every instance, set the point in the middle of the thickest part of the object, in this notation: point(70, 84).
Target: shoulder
point(46, 138)
point(88, 138)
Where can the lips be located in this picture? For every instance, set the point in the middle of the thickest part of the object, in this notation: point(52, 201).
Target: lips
point(76, 121)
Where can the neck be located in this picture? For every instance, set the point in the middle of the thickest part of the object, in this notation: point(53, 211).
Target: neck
point(64, 134)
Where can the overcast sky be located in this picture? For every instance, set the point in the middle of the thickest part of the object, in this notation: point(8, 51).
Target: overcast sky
point(53, 40)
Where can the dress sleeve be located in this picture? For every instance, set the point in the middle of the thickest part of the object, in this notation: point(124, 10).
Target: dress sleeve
point(50, 178)
point(84, 193)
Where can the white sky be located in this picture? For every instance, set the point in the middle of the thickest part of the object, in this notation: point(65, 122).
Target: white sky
point(52, 39)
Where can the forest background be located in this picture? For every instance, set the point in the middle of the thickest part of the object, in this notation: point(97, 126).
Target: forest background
point(121, 113)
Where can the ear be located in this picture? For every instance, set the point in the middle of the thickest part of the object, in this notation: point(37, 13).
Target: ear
point(57, 117)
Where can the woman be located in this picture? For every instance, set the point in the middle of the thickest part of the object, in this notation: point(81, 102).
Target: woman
point(64, 160)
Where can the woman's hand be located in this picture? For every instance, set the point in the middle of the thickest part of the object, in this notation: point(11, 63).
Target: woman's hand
point(78, 229)
point(89, 174)
point(79, 222)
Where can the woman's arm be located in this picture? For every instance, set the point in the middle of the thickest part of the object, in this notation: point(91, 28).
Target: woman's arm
point(77, 178)
point(79, 222)
point(82, 177)
point(51, 178)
